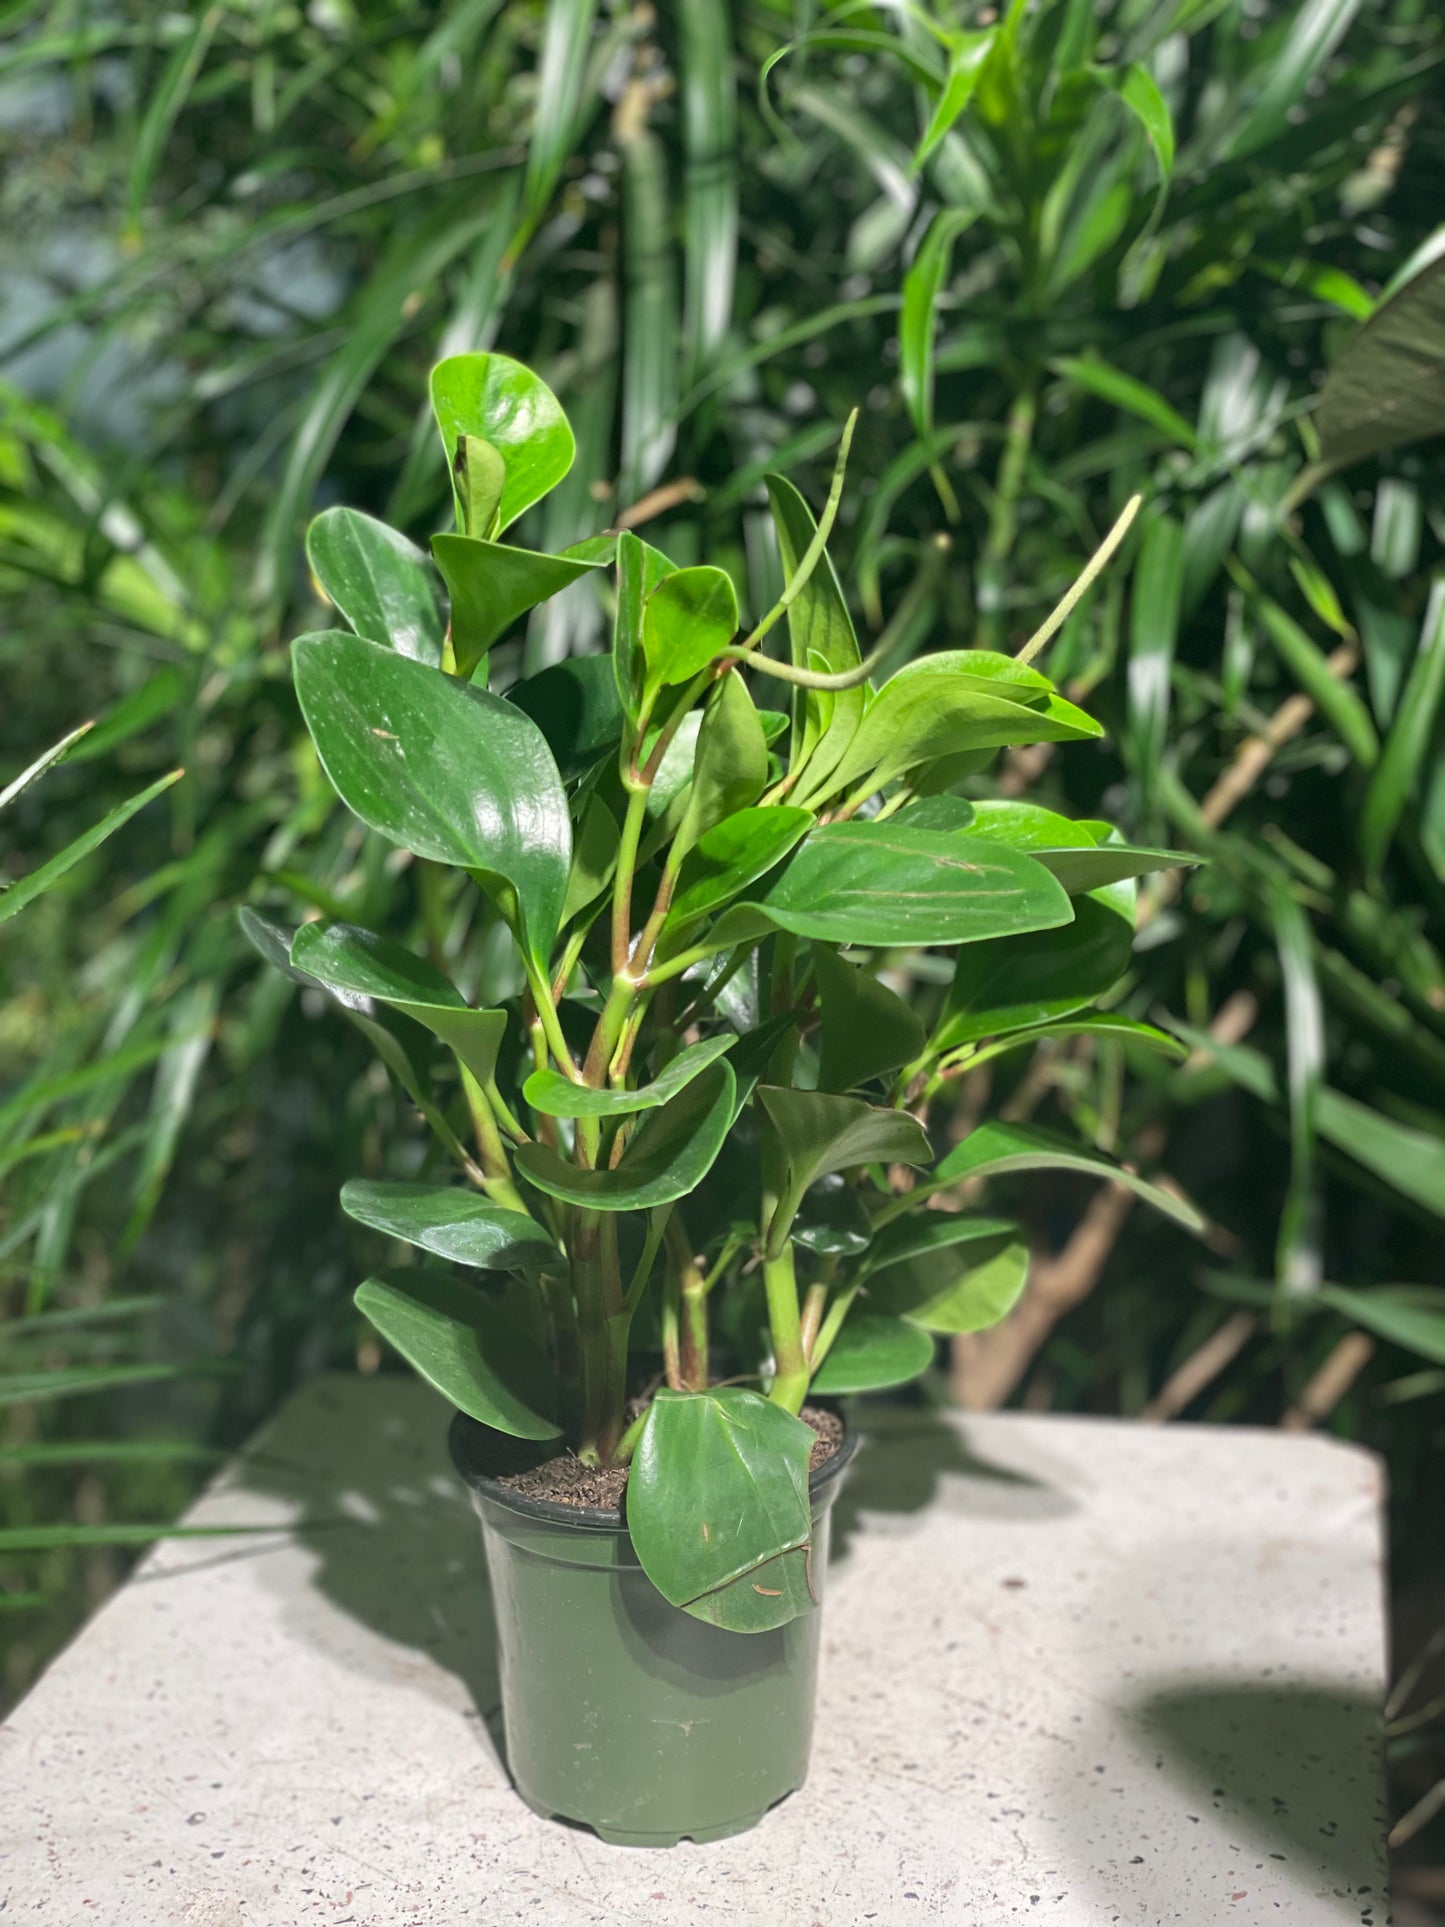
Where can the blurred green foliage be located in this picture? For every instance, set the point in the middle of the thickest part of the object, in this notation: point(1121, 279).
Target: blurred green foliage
point(1059, 253)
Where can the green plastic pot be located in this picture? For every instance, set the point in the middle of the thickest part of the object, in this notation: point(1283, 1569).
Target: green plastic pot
point(621, 1711)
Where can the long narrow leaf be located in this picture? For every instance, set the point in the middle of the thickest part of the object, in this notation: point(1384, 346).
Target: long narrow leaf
point(48, 874)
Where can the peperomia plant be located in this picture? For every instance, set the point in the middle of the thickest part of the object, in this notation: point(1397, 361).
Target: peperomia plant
point(697, 1132)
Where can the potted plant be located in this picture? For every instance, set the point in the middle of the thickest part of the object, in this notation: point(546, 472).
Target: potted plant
point(677, 1198)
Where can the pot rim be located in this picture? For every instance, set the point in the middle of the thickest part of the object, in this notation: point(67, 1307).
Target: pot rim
point(465, 1434)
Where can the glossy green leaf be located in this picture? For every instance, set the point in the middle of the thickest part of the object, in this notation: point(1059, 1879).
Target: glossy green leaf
point(1078, 854)
point(689, 617)
point(1139, 91)
point(595, 844)
point(491, 586)
point(923, 1232)
point(380, 583)
point(575, 705)
point(557, 1096)
point(730, 765)
point(716, 1495)
point(820, 634)
point(818, 1132)
point(506, 404)
point(460, 1343)
point(673, 1151)
point(1402, 765)
point(1102, 1026)
point(832, 1219)
point(865, 1028)
point(445, 770)
point(954, 1289)
point(871, 1352)
point(943, 704)
point(479, 476)
point(451, 1223)
point(754, 1053)
point(995, 1148)
point(344, 957)
point(46, 760)
point(639, 571)
point(877, 884)
point(733, 854)
point(46, 875)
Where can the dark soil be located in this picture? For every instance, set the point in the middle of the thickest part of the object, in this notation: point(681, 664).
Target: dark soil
point(565, 1480)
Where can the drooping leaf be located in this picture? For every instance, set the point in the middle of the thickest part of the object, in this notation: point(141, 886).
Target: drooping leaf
point(689, 617)
point(1026, 980)
point(733, 854)
point(818, 1132)
point(461, 1344)
point(557, 1096)
point(952, 1289)
point(1080, 855)
point(942, 705)
point(994, 1148)
point(575, 705)
point(491, 585)
point(453, 1223)
point(879, 884)
point(672, 1152)
point(1407, 747)
point(501, 402)
point(344, 957)
point(865, 1028)
point(967, 53)
point(918, 324)
point(730, 766)
point(443, 769)
point(716, 1495)
point(1408, 1315)
point(922, 1232)
point(873, 1351)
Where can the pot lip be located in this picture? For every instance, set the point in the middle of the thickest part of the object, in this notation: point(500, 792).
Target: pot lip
point(465, 1434)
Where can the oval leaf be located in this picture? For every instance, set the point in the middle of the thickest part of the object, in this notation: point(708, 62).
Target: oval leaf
point(946, 1293)
point(818, 1133)
point(557, 1096)
point(382, 584)
point(501, 402)
point(717, 1492)
point(453, 1223)
point(463, 1346)
point(491, 586)
point(992, 1149)
point(879, 884)
point(672, 1152)
point(865, 1029)
point(686, 620)
point(444, 770)
point(733, 854)
point(873, 1351)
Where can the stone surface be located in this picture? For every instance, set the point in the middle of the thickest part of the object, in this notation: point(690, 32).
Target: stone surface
point(1074, 1671)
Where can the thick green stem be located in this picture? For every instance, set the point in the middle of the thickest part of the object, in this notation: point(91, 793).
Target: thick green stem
point(831, 1325)
point(692, 1308)
point(632, 827)
point(790, 1362)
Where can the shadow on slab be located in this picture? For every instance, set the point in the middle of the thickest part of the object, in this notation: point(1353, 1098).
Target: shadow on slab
point(908, 1450)
point(1294, 1773)
point(396, 1543)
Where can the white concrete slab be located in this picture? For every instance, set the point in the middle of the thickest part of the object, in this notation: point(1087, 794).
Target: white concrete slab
point(1075, 1671)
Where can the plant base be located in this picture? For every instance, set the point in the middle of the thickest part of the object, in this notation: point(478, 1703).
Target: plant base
point(623, 1713)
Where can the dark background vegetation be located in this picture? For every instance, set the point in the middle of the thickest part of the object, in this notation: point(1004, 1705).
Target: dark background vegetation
point(232, 242)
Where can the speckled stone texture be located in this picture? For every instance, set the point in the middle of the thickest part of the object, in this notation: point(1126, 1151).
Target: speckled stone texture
point(1074, 1671)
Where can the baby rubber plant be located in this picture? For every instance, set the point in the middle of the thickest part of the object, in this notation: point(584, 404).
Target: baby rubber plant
point(691, 1158)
